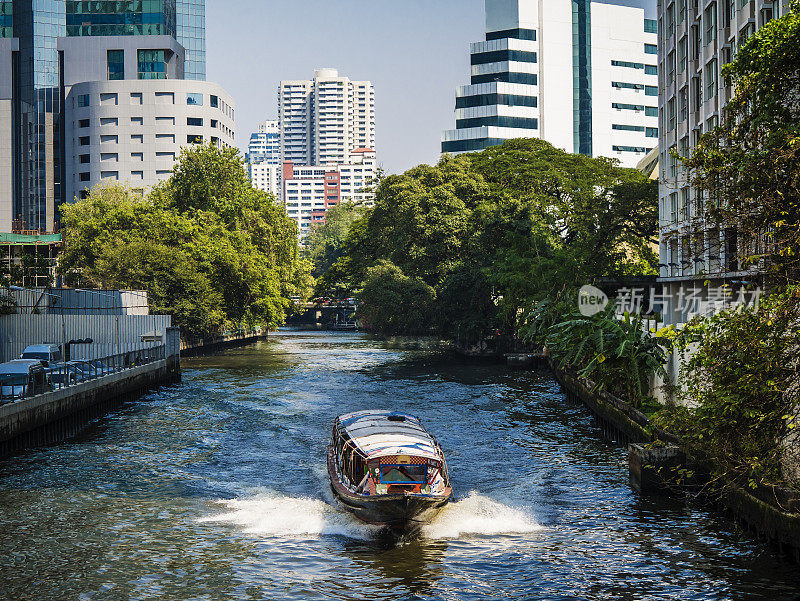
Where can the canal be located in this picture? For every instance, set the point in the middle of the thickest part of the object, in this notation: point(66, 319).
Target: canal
point(216, 489)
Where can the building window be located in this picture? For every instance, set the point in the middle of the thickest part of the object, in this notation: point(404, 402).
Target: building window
point(84, 100)
point(651, 111)
point(711, 80)
point(651, 132)
point(626, 85)
point(682, 54)
point(650, 70)
point(696, 43)
point(194, 139)
point(83, 123)
point(671, 114)
point(670, 20)
point(194, 121)
point(214, 102)
point(650, 49)
point(711, 23)
point(651, 90)
point(671, 68)
point(683, 98)
point(85, 177)
point(83, 141)
point(152, 64)
point(697, 92)
point(496, 56)
point(650, 26)
point(85, 158)
point(116, 64)
point(194, 99)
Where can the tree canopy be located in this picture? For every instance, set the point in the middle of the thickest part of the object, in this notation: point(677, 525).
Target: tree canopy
point(489, 232)
point(208, 247)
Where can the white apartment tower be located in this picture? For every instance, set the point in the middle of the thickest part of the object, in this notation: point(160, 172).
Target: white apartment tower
point(265, 144)
point(264, 158)
point(580, 74)
point(322, 121)
point(696, 38)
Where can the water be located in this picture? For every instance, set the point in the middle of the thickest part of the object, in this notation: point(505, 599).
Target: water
point(216, 489)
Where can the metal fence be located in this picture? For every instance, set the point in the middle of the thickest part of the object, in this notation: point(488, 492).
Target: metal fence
point(109, 334)
point(55, 376)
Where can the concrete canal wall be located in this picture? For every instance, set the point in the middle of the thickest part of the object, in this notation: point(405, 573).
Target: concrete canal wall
point(199, 346)
point(61, 414)
point(658, 464)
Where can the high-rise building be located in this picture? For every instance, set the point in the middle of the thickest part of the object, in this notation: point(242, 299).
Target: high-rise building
point(265, 144)
point(696, 39)
point(264, 158)
point(39, 162)
point(323, 120)
point(580, 74)
point(190, 30)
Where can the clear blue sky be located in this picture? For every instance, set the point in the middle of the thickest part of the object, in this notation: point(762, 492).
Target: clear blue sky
point(414, 51)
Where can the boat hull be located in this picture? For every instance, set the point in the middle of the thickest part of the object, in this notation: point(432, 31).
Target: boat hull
point(402, 513)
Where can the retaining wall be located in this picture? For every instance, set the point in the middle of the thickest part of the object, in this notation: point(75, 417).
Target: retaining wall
point(194, 347)
point(58, 415)
point(655, 458)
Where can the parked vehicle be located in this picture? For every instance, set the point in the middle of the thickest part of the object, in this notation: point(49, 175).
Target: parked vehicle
point(46, 353)
point(82, 369)
point(61, 376)
point(22, 378)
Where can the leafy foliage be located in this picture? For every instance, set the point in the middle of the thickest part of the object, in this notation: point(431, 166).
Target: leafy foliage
point(750, 165)
point(618, 353)
point(489, 232)
point(324, 243)
point(738, 385)
point(385, 289)
point(207, 247)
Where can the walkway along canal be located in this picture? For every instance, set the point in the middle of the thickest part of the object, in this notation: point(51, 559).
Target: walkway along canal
point(215, 488)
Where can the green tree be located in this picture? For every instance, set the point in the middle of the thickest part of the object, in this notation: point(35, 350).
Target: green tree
point(516, 221)
point(385, 289)
point(324, 244)
point(232, 249)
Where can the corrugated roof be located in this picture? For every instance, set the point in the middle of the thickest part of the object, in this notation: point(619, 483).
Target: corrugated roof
point(375, 435)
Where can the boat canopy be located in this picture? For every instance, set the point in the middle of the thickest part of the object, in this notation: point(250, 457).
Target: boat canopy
point(381, 433)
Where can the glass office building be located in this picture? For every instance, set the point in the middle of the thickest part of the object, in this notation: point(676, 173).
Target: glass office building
point(39, 166)
point(131, 17)
point(6, 19)
point(191, 34)
point(39, 172)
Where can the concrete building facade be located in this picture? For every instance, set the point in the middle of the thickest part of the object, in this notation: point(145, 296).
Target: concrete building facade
point(264, 158)
point(39, 178)
point(265, 144)
point(267, 177)
point(581, 75)
point(132, 131)
point(323, 120)
point(696, 39)
point(309, 191)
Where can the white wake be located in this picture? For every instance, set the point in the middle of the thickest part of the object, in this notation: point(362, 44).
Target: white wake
point(477, 514)
point(271, 515)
